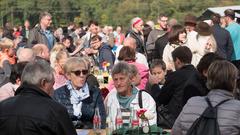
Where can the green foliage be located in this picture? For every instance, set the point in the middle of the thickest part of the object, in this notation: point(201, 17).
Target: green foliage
point(107, 12)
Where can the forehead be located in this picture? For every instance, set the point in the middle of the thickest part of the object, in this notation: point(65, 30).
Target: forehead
point(93, 25)
point(164, 18)
point(78, 65)
point(47, 17)
point(120, 75)
point(157, 68)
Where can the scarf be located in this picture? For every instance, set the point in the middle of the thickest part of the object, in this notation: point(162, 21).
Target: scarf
point(125, 101)
point(76, 97)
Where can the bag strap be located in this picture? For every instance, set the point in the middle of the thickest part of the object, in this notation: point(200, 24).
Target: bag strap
point(209, 103)
point(140, 98)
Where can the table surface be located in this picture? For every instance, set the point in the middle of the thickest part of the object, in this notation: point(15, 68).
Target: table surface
point(90, 132)
point(101, 132)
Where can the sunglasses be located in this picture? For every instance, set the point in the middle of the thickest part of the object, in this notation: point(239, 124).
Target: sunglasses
point(79, 72)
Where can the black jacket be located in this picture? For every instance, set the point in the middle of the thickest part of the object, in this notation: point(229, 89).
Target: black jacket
point(139, 41)
point(224, 42)
point(62, 95)
point(173, 93)
point(33, 112)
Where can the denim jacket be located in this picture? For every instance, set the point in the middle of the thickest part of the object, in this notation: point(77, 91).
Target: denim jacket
point(62, 95)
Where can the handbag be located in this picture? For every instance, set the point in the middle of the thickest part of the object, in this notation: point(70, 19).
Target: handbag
point(164, 118)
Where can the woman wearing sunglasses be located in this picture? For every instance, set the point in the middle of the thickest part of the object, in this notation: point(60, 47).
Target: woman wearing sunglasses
point(79, 97)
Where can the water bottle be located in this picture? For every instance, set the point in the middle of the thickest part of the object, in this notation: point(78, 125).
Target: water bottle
point(97, 120)
point(134, 119)
point(119, 120)
point(109, 122)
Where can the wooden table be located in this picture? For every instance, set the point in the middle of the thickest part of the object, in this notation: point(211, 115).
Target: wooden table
point(90, 132)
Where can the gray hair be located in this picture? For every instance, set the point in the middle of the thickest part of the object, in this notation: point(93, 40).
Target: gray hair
point(36, 71)
point(73, 62)
point(121, 67)
point(133, 70)
point(25, 54)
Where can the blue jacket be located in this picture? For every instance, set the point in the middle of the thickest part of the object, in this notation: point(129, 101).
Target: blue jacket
point(106, 54)
point(234, 30)
point(62, 95)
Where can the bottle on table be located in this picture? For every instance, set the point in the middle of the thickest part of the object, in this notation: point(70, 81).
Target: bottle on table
point(109, 125)
point(118, 119)
point(96, 120)
point(134, 119)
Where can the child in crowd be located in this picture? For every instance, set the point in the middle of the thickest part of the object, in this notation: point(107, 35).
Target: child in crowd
point(156, 78)
point(135, 75)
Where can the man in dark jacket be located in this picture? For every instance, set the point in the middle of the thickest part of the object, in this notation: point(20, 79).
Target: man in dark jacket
point(171, 96)
point(32, 111)
point(41, 33)
point(222, 37)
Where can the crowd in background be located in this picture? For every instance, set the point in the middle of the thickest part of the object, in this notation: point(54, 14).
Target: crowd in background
point(48, 79)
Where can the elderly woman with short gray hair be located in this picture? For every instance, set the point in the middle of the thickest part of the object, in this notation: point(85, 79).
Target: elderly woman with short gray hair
point(78, 96)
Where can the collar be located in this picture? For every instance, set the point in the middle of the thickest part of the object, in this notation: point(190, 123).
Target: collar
point(26, 88)
point(80, 94)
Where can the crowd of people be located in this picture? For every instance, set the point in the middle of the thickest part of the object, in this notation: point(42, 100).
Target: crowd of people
point(48, 83)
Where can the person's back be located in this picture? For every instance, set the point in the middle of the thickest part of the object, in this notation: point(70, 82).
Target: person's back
point(234, 30)
point(224, 42)
point(228, 113)
point(222, 84)
point(171, 95)
point(32, 111)
point(222, 37)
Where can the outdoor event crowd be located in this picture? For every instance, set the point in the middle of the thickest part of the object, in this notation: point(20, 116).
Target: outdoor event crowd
point(50, 82)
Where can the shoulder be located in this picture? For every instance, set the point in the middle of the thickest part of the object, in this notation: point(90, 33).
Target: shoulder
point(60, 91)
point(146, 95)
point(105, 47)
point(94, 91)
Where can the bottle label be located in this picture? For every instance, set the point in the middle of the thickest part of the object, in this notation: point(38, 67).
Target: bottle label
point(96, 120)
point(135, 122)
point(119, 121)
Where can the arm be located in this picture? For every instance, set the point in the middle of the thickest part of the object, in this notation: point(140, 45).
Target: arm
point(107, 56)
point(64, 124)
point(6, 68)
point(167, 91)
point(31, 39)
point(150, 105)
point(101, 107)
point(229, 47)
point(150, 42)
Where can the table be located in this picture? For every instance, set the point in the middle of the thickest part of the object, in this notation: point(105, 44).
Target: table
point(101, 131)
point(90, 132)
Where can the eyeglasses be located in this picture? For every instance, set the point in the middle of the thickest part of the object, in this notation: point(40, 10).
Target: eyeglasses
point(79, 72)
point(95, 42)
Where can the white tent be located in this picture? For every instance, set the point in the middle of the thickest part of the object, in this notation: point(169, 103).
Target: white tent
point(220, 10)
